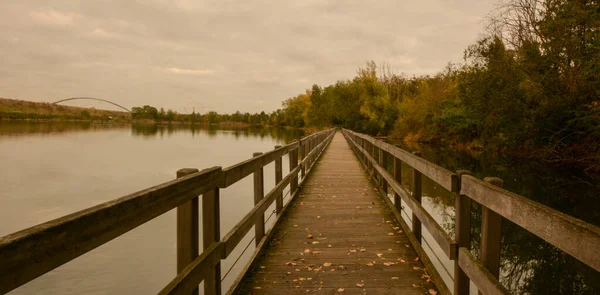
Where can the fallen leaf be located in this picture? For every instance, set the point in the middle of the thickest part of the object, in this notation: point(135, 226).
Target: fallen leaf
point(360, 285)
point(390, 234)
point(301, 203)
point(416, 268)
point(318, 217)
point(309, 236)
point(301, 279)
point(329, 246)
point(289, 273)
point(257, 288)
point(363, 250)
point(341, 290)
point(262, 267)
point(370, 264)
point(394, 278)
point(316, 252)
point(327, 264)
point(388, 263)
point(307, 251)
point(432, 292)
point(417, 259)
point(379, 255)
point(402, 260)
point(353, 251)
point(389, 249)
point(415, 285)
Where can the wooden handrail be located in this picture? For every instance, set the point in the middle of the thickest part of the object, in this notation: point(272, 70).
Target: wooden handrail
point(27, 254)
point(30, 253)
point(436, 230)
point(573, 236)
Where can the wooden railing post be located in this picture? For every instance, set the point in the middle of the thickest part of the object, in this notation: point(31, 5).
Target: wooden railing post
point(491, 233)
point(278, 178)
point(462, 227)
point(188, 229)
point(211, 232)
point(293, 157)
point(398, 177)
point(302, 150)
point(416, 193)
point(383, 163)
point(259, 192)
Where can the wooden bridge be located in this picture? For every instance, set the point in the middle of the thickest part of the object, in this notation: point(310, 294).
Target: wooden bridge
point(340, 230)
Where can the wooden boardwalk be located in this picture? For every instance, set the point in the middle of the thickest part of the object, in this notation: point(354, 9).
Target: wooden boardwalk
point(339, 236)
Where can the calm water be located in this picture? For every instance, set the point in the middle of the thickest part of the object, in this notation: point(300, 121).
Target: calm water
point(48, 170)
point(529, 265)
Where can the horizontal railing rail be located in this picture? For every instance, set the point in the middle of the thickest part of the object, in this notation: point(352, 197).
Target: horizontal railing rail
point(571, 235)
point(30, 253)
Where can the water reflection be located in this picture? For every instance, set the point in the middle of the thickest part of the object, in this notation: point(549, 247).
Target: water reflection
point(24, 128)
point(528, 264)
point(149, 131)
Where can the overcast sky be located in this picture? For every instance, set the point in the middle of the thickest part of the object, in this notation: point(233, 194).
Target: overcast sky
point(221, 55)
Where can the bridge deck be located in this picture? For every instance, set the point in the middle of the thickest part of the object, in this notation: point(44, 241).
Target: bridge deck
point(339, 236)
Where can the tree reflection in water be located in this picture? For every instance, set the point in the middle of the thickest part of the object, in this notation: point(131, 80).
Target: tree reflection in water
point(529, 265)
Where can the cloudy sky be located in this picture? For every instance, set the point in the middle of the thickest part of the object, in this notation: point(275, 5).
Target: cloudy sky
point(220, 55)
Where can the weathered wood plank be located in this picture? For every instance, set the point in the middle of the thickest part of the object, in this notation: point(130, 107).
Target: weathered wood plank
point(436, 173)
point(574, 236)
point(187, 229)
point(367, 226)
point(437, 232)
point(483, 279)
point(238, 171)
point(190, 277)
point(211, 233)
point(237, 233)
point(32, 252)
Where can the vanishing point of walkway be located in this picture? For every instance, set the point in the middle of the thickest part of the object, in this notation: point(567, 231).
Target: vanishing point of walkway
point(338, 237)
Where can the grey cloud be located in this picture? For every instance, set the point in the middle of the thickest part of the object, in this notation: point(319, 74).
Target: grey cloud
point(229, 55)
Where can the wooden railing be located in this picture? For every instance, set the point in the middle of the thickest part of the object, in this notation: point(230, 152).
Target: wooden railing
point(30, 253)
point(573, 236)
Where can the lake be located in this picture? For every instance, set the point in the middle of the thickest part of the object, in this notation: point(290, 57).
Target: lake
point(48, 170)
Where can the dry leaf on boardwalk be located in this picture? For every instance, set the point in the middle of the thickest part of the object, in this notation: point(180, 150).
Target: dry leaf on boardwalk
point(341, 290)
point(432, 292)
point(327, 264)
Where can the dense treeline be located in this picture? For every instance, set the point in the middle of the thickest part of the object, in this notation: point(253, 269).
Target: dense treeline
point(532, 84)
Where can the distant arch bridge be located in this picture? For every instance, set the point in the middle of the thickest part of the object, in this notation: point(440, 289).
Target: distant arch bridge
point(92, 98)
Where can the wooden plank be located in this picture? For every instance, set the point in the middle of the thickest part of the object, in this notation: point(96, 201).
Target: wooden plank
point(278, 177)
point(434, 172)
point(574, 236)
point(211, 233)
point(481, 277)
point(262, 246)
point(237, 233)
point(398, 178)
point(289, 240)
point(491, 234)
point(417, 196)
point(189, 279)
point(437, 232)
point(259, 192)
point(462, 225)
point(29, 253)
point(187, 229)
point(235, 173)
